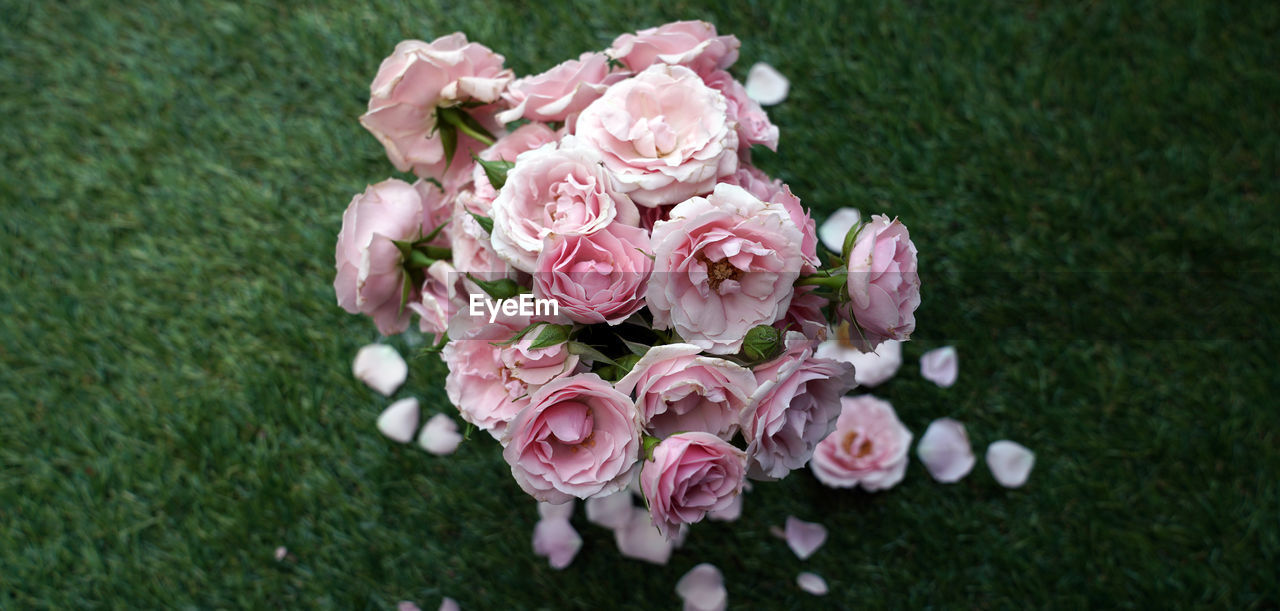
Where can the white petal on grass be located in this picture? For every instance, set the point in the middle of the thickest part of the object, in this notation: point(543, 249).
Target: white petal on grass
point(837, 226)
point(407, 605)
point(440, 436)
point(940, 366)
point(702, 589)
point(557, 541)
point(282, 552)
point(612, 512)
point(870, 369)
point(641, 540)
point(766, 85)
point(945, 451)
point(381, 367)
point(812, 583)
point(804, 538)
point(1010, 462)
point(550, 511)
point(400, 420)
point(449, 604)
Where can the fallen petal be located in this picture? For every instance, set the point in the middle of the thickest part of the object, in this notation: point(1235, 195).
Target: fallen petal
point(612, 512)
point(440, 436)
point(406, 605)
point(870, 369)
point(812, 583)
point(448, 604)
point(766, 85)
point(804, 538)
point(837, 226)
point(282, 552)
point(557, 541)
point(940, 366)
point(702, 589)
point(641, 540)
point(548, 511)
point(400, 420)
point(1010, 462)
point(381, 367)
point(944, 449)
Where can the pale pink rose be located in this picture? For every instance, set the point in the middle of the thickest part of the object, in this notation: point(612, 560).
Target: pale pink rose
point(561, 92)
point(884, 287)
point(555, 190)
point(868, 448)
point(677, 389)
point(524, 138)
point(753, 124)
point(437, 211)
point(370, 272)
point(689, 475)
point(664, 134)
point(417, 79)
point(578, 437)
point(766, 189)
point(491, 383)
point(694, 44)
point(441, 297)
point(473, 254)
point(793, 409)
point(722, 265)
point(600, 277)
point(872, 368)
point(805, 314)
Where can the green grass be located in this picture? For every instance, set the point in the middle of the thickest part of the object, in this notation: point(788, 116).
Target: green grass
point(1093, 188)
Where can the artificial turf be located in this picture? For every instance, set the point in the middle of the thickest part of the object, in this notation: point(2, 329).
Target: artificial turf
point(1093, 187)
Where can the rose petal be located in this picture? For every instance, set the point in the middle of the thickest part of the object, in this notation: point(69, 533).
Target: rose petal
point(812, 583)
point(1010, 462)
point(381, 367)
point(400, 420)
point(944, 450)
point(557, 541)
point(940, 366)
point(730, 513)
point(837, 226)
point(281, 552)
point(870, 369)
point(612, 511)
point(766, 85)
point(448, 604)
point(641, 540)
point(440, 435)
point(551, 511)
point(406, 605)
point(804, 538)
point(702, 588)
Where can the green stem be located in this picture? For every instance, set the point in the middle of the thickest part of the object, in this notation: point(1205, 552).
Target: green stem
point(819, 279)
point(454, 117)
point(436, 252)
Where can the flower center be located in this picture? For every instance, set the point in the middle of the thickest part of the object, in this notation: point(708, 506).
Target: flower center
point(864, 448)
point(719, 271)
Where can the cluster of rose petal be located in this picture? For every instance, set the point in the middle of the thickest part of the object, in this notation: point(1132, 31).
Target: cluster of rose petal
point(691, 293)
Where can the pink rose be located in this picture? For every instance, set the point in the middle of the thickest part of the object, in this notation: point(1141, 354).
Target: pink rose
point(771, 190)
point(664, 134)
point(677, 389)
point(690, 475)
point(417, 79)
point(722, 265)
point(868, 448)
point(472, 253)
point(753, 124)
point(805, 314)
point(437, 210)
point(370, 272)
point(555, 190)
point(694, 44)
point(561, 92)
point(441, 298)
point(525, 138)
point(490, 383)
point(884, 288)
point(578, 437)
point(599, 277)
point(794, 407)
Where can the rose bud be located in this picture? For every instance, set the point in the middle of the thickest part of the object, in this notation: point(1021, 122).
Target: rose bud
point(370, 267)
point(883, 286)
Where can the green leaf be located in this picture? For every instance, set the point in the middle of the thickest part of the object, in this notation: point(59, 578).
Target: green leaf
point(449, 138)
point(552, 335)
point(649, 443)
point(486, 223)
point(849, 239)
point(495, 171)
point(431, 236)
point(505, 288)
point(636, 348)
point(582, 349)
point(418, 259)
point(405, 290)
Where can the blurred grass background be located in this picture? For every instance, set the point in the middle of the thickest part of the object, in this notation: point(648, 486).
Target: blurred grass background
point(1093, 187)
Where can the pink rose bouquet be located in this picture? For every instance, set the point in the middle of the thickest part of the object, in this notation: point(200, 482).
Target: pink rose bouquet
point(622, 299)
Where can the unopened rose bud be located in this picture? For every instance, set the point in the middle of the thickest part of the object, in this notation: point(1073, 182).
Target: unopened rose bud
point(762, 343)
